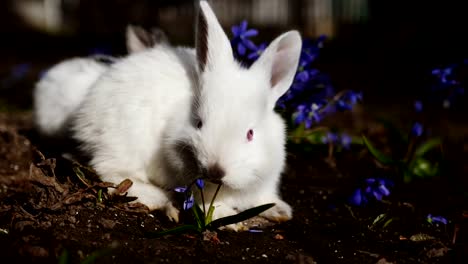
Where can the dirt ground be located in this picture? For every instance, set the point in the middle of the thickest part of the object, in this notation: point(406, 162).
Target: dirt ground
point(48, 214)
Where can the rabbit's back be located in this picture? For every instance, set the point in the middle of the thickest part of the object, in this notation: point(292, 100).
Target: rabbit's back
point(61, 90)
point(125, 116)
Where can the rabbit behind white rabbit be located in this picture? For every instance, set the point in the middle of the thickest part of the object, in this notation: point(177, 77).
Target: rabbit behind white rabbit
point(164, 117)
point(64, 86)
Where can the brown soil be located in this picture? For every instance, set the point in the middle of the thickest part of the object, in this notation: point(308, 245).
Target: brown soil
point(48, 213)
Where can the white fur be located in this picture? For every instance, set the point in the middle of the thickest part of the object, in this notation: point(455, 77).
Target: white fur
point(139, 122)
point(63, 87)
point(60, 91)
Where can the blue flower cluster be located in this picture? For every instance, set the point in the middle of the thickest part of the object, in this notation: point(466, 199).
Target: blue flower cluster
point(311, 96)
point(374, 189)
point(445, 90)
point(343, 139)
point(245, 49)
point(189, 199)
point(447, 87)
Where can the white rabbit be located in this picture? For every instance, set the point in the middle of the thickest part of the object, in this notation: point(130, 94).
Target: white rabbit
point(165, 116)
point(63, 87)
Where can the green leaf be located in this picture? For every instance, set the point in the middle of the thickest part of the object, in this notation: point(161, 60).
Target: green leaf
point(81, 176)
point(357, 140)
point(427, 146)
point(315, 136)
point(63, 259)
point(99, 197)
point(209, 216)
point(244, 215)
point(378, 219)
point(297, 134)
point(382, 158)
point(423, 168)
point(175, 230)
point(388, 222)
point(199, 216)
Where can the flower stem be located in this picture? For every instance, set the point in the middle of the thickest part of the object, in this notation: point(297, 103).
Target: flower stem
point(203, 201)
point(214, 196)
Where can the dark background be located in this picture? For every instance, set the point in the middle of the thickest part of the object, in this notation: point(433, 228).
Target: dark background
point(388, 54)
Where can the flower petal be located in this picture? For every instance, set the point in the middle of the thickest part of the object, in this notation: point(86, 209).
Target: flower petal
point(243, 25)
point(377, 195)
point(249, 44)
point(188, 203)
point(383, 190)
point(356, 197)
point(200, 183)
point(302, 76)
point(180, 189)
point(236, 31)
point(241, 49)
point(250, 33)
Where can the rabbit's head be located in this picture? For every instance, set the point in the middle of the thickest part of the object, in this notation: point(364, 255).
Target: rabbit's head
point(233, 127)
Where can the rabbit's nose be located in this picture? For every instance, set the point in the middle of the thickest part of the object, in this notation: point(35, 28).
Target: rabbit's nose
point(215, 173)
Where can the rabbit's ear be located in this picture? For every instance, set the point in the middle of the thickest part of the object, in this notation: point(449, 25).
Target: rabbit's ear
point(139, 39)
point(280, 61)
point(212, 45)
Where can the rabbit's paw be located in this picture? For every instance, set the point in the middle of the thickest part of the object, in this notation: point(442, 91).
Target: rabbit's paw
point(222, 210)
point(172, 212)
point(155, 198)
point(281, 212)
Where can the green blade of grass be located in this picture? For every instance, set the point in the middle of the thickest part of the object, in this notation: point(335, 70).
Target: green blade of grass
point(382, 158)
point(244, 215)
point(378, 219)
point(199, 216)
point(209, 215)
point(427, 146)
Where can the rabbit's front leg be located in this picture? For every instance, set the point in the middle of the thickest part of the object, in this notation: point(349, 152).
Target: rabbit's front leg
point(149, 194)
point(281, 212)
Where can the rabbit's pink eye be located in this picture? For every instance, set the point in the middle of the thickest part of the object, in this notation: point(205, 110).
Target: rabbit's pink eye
point(250, 135)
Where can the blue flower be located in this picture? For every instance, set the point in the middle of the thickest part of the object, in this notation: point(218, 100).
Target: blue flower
point(345, 140)
point(188, 203)
point(180, 189)
point(241, 40)
point(418, 106)
point(330, 137)
point(200, 183)
point(436, 219)
point(447, 88)
point(417, 129)
point(307, 114)
point(374, 189)
point(255, 54)
point(310, 95)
